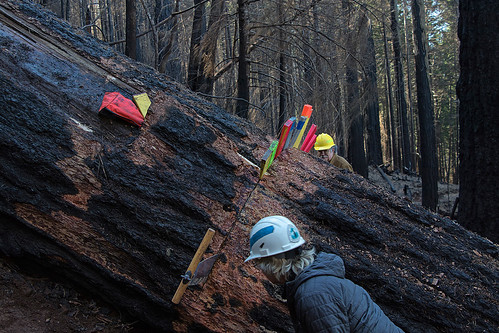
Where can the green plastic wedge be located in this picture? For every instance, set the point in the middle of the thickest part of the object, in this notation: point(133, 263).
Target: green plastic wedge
point(268, 158)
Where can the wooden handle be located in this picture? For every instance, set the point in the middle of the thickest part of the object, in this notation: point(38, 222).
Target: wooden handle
point(194, 263)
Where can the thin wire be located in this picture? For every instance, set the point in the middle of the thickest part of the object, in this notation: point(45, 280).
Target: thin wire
point(238, 215)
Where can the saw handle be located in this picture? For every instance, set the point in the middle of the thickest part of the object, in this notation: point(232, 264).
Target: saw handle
point(194, 263)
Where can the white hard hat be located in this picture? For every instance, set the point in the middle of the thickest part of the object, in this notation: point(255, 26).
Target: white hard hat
point(273, 235)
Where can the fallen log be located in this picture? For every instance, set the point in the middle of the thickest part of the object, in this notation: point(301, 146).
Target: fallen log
point(385, 177)
point(119, 211)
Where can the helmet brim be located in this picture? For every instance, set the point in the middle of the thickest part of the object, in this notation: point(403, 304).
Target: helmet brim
point(251, 258)
point(296, 245)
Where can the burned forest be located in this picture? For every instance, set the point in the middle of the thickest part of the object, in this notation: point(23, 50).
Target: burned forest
point(119, 210)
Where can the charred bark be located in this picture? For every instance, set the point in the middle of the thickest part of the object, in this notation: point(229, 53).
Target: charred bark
point(391, 125)
point(400, 90)
point(196, 78)
point(131, 29)
point(374, 150)
point(243, 70)
point(478, 91)
point(429, 164)
point(119, 211)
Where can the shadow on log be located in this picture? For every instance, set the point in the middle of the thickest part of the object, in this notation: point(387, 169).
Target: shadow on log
point(119, 211)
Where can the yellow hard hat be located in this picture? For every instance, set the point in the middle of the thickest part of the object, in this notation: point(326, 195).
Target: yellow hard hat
point(324, 141)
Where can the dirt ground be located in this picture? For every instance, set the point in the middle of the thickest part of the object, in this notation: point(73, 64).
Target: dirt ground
point(36, 304)
point(410, 187)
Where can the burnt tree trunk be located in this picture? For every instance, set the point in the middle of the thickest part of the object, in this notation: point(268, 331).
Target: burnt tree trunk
point(478, 91)
point(391, 126)
point(356, 152)
point(196, 78)
point(400, 95)
point(281, 119)
point(131, 29)
point(408, 53)
point(429, 164)
point(210, 41)
point(374, 151)
point(243, 70)
point(119, 211)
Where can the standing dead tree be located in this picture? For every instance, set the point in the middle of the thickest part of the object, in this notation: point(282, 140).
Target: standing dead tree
point(478, 89)
point(429, 165)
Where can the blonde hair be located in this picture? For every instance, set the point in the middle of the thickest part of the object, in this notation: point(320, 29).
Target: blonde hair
point(282, 268)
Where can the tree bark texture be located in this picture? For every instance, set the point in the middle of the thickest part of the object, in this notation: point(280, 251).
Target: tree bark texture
point(119, 211)
point(282, 114)
point(392, 128)
point(355, 116)
point(242, 106)
point(429, 164)
point(210, 44)
point(356, 153)
point(478, 91)
point(195, 76)
point(408, 54)
point(167, 39)
point(374, 151)
point(400, 95)
point(131, 29)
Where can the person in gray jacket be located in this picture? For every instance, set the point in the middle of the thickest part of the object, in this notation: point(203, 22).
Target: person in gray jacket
point(319, 297)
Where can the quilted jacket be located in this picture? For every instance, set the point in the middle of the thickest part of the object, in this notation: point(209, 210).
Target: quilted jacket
point(320, 299)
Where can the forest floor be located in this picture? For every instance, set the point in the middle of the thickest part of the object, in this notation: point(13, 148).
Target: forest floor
point(410, 187)
point(36, 304)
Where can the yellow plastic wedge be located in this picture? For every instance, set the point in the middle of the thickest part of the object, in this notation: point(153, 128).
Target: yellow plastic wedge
point(143, 102)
